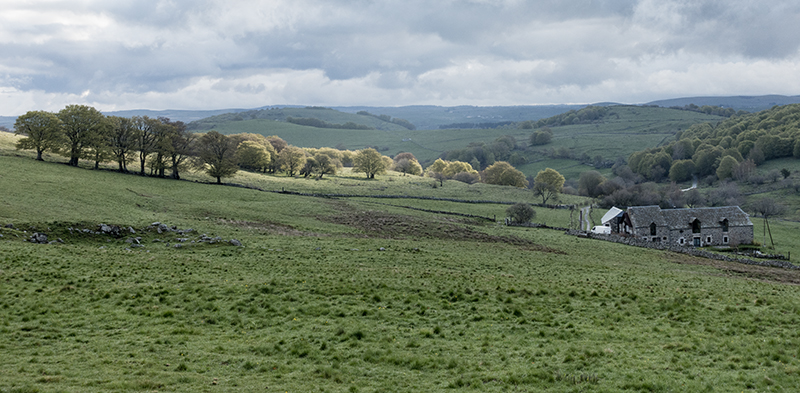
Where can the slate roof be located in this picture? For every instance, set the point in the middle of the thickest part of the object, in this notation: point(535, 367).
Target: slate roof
point(642, 216)
point(613, 212)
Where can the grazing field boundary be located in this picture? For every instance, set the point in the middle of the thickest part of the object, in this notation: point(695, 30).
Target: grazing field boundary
point(492, 219)
point(631, 241)
point(319, 195)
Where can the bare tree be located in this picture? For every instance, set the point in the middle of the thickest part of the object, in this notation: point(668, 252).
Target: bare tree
point(767, 207)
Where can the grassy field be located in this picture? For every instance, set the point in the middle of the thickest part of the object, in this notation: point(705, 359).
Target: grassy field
point(348, 295)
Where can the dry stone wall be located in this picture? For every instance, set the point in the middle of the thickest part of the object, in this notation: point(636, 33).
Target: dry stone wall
point(637, 242)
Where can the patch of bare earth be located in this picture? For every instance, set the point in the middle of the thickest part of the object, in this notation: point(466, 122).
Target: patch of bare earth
point(395, 226)
point(270, 227)
point(762, 273)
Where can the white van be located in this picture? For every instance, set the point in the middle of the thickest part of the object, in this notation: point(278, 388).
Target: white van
point(601, 230)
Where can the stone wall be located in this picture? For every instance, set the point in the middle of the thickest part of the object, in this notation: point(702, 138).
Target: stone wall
point(636, 242)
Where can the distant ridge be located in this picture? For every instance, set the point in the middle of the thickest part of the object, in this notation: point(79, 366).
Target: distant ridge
point(185, 116)
point(745, 103)
point(432, 116)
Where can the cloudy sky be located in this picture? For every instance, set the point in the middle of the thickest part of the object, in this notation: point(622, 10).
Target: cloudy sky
point(211, 54)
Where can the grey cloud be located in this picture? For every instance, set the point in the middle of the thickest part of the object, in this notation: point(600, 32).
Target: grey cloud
point(165, 45)
point(745, 28)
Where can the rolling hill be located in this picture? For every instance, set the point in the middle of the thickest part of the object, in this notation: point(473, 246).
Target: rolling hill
point(624, 130)
point(746, 103)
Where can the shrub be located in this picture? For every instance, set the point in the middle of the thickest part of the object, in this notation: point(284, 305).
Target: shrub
point(521, 213)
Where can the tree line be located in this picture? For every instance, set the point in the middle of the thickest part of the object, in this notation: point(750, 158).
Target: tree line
point(155, 146)
point(731, 149)
point(394, 120)
point(317, 123)
point(81, 132)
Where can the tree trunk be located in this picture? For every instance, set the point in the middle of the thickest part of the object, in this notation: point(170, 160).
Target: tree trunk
point(175, 174)
point(39, 155)
point(74, 155)
point(770, 236)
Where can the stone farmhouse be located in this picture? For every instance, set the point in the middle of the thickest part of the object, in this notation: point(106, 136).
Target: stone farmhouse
point(695, 227)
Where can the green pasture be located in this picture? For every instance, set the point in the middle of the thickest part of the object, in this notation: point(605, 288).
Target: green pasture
point(359, 294)
point(790, 163)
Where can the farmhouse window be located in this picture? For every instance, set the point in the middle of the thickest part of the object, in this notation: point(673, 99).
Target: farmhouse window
point(696, 226)
point(708, 239)
point(681, 241)
point(653, 229)
point(725, 239)
point(697, 242)
point(725, 225)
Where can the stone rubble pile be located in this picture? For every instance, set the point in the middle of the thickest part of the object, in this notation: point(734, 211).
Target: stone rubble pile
point(136, 242)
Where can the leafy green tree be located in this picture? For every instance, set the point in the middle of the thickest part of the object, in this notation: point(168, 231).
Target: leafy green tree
point(468, 177)
point(253, 155)
point(405, 154)
point(320, 164)
point(681, 170)
point(407, 166)
point(438, 166)
point(81, 126)
point(406, 163)
point(309, 167)
point(216, 153)
point(796, 150)
point(706, 158)
point(122, 140)
point(541, 137)
point(475, 163)
point(370, 162)
point(325, 164)
point(502, 173)
point(682, 149)
point(98, 147)
point(726, 167)
point(146, 133)
point(164, 132)
point(292, 159)
point(521, 213)
point(548, 184)
point(277, 143)
point(589, 183)
point(42, 132)
point(455, 167)
point(181, 147)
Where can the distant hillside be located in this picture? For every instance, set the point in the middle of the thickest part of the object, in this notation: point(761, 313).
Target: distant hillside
point(607, 132)
point(174, 115)
point(430, 117)
point(591, 138)
point(301, 116)
point(746, 103)
point(8, 121)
